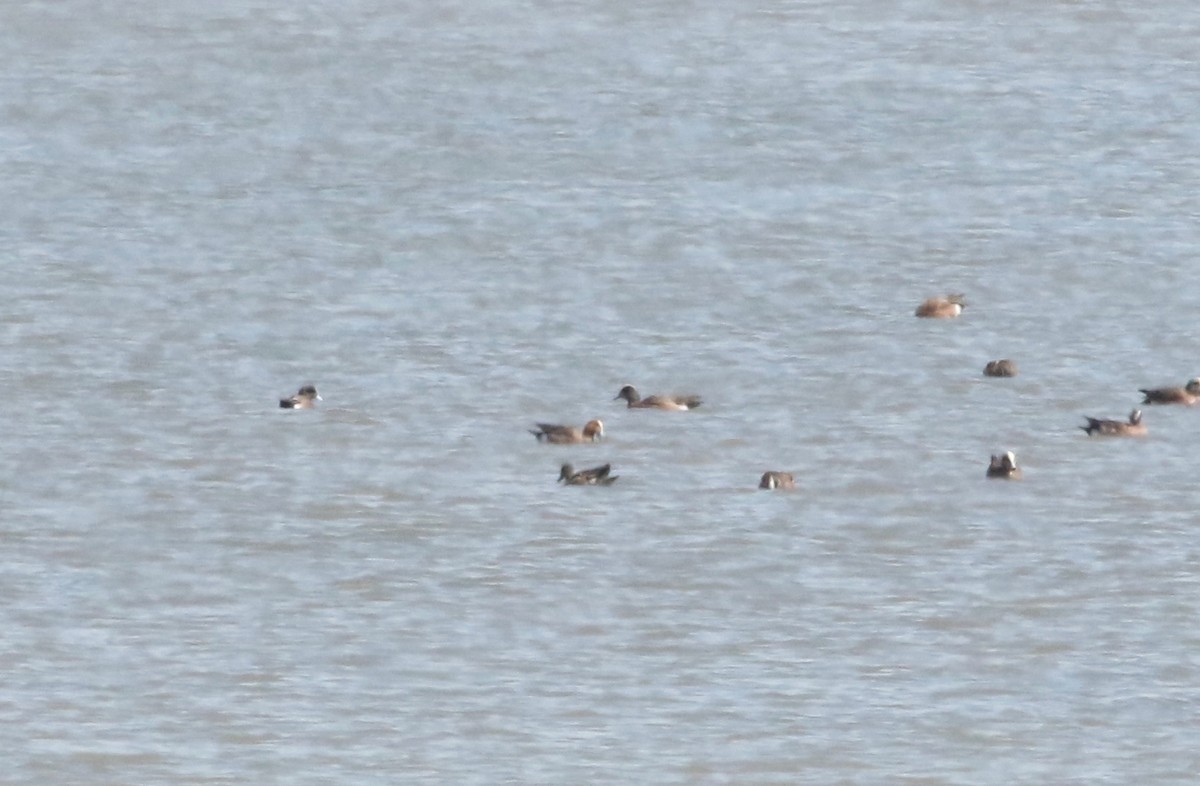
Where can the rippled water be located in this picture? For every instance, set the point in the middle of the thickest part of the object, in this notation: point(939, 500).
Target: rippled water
point(457, 219)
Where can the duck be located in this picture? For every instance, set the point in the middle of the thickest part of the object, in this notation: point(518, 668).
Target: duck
point(1000, 368)
point(1187, 395)
point(596, 476)
point(592, 431)
point(1004, 466)
point(305, 398)
point(777, 481)
point(676, 403)
point(1115, 428)
point(942, 307)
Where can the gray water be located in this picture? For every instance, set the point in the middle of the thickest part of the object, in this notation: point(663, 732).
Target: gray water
point(459, 218)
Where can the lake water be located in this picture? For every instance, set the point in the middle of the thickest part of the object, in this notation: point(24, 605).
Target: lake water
point(459, 218)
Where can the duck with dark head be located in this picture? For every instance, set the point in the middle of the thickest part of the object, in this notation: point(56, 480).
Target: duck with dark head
point(777, 481)
point(678, 403)
point(306, 398)
point(596, 476)
point(1134, 427)
point(1004, 466)
point(1187, 395)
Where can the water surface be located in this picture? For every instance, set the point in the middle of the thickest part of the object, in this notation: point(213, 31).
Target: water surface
point(460, 219)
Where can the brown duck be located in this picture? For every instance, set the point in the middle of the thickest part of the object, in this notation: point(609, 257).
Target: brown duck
point(1115, 428)
point(678, 403)
point(592, 431)
point(777, 481)
point(596, 476)
point(306, 398)
point(1000, 368)
point(942, 307)
point(1187, 395)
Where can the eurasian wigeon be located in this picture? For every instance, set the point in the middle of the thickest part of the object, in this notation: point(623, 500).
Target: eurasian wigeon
point(306, 398)
point(1000, 368)
point(596, 476)
point(942, 307)
point(592, 431)
point(777, 481)
point(1187, 395)
point(678, 403)
point(1115, 428)
point(1004, 467)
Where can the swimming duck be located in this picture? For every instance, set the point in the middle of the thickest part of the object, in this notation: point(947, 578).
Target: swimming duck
point(777, 480)
point(942, 307)
point(1115, 428)
point(592, 431)
point(596, 476)
point(678, 403)
point(1187, 395)
point(306, 398)
point(1000, 368)
point(1004, 467)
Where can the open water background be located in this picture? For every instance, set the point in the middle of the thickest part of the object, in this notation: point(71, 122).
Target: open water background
point(458, 218)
